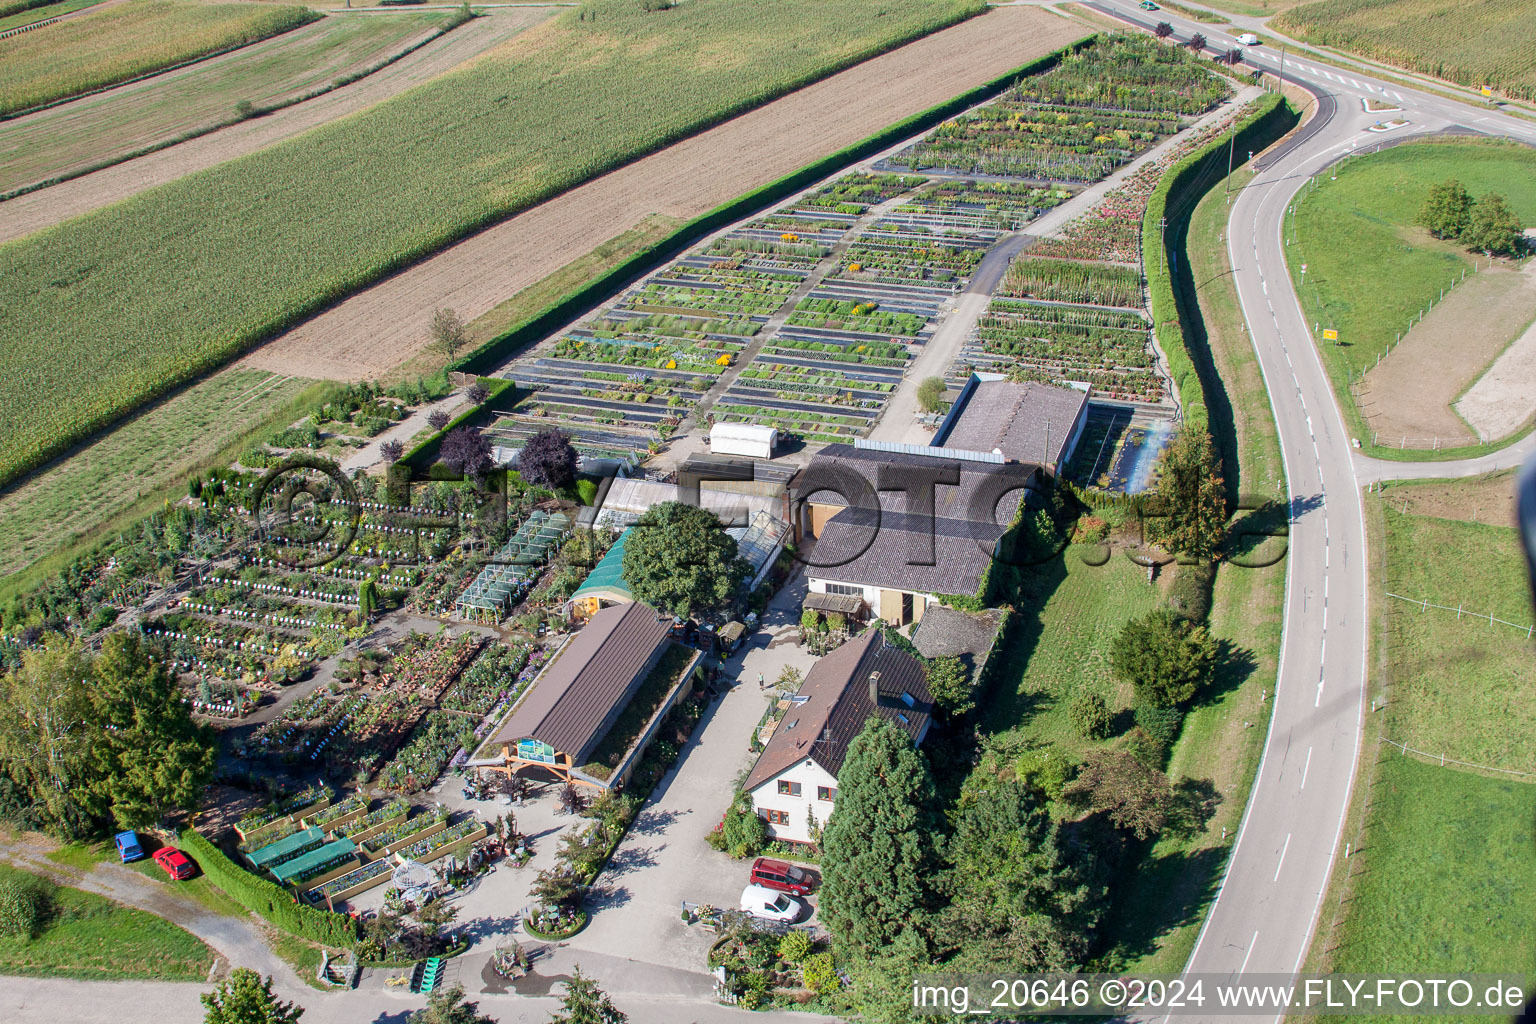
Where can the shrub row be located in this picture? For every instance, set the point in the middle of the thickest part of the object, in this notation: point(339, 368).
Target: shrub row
point(1179, 191)
point(267, 898)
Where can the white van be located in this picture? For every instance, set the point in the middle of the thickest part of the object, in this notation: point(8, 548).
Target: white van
point(1248, 39)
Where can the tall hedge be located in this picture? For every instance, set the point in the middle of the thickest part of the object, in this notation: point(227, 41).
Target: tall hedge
point(1180, 189)
point(267, 898)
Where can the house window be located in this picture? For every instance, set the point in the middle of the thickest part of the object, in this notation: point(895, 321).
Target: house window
point(778, 817)
point(846, 589)
point(787, 788)
point(826, 793)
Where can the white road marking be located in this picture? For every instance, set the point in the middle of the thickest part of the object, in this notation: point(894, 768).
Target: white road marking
point(1251, 943)
point(1304, 769)
point(1287, 846)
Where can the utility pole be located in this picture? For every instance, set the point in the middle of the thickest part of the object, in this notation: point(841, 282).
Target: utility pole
point(1231, 143)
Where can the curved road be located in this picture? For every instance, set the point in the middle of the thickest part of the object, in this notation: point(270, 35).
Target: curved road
point(1266, 909)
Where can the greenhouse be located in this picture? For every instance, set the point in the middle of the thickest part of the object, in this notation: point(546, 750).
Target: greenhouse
point(512, 570)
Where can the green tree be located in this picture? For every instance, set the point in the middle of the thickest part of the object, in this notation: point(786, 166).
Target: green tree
point(24, 904)
point(1018, 899)
point(744, 832)
point(1447, 210)
point(1194, 497)
point(246, 998)
point(1133, 796)
point(1089, 714)
point(448, 331)
point(1494, 228)
point(678, 558)
point(1165, 656)
point(46, 735)
point(148, 756)
point(367, 599)
point(949, 683)
point(877, 848)
point(448, 1006)
point(930, 394)
point(585, 1003)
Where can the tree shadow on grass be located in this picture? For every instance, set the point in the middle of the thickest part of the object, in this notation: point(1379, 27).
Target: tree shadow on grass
point(1165, 893)
point(1234, 665)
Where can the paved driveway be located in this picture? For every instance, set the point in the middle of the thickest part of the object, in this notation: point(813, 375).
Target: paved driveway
point(664, 859)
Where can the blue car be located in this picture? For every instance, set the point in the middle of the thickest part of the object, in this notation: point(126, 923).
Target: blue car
point(128, 847)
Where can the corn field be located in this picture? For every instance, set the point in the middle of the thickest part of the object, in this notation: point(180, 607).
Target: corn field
point(1470, 42)
point(99, 49)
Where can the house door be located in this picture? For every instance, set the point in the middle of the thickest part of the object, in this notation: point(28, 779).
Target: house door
point(906, 608)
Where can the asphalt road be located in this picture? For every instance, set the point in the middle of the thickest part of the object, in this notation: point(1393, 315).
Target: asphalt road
point(1266, 909)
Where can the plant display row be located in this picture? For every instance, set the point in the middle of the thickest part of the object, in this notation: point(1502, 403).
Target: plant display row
point(499, 671)
point(1051, 280)
point(846, 315)
point(418, 764)
point(357, 876)
point(1116, 361)
point(1077, 122)
point(886, 256)
point(377, 843)
point(427, 664)
point(374, 818)
point(425, 849)
point(306, 797)
point(855, 193)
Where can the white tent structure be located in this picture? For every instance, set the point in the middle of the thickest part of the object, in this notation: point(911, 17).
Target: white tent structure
point(747, 439)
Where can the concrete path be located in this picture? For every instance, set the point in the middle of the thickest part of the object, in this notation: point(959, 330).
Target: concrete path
point(368, 455)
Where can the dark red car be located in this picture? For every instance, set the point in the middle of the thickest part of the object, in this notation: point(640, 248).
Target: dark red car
point(175, 863)
point(782, 876)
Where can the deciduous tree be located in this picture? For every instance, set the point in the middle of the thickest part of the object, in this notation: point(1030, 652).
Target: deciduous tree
point(548, 460)
point(448, 1006)
point(1133, 796)
point(1493, 228)
point(1447, 209)
point(930, 394)
point(949, 683)
point(877, 848)
point(1165, 656)
point(448, 331)
point(679, 558)
point(465, 450)
point(1163, 30)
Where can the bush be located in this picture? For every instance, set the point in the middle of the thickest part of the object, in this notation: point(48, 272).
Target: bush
point(1045, 769)
point(24, 905)
point(1090, 715)
point(1161, 724)
point(795, 947)
point(1190, 593)
point(268, 899)
point(745, 833)
point(819, 974)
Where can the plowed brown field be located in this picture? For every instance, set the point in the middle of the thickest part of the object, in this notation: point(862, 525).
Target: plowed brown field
point(386, 324)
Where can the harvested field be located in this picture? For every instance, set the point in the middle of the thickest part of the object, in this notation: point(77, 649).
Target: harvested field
point(387, 323)
point(1487, 499)
point(35, 210)
point(68, 138)
point(131, 39)
point(1411, 393)
point(1504, 399)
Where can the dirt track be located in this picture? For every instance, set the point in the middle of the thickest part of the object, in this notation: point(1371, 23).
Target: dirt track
point(35, 210)
point(386, 324)
point(1411, 393)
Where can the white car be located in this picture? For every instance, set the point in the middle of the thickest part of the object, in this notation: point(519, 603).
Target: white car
point(761, 901)
point(1248, 39)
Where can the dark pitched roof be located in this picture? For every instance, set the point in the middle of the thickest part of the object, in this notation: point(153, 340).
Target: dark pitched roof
point(901, 548)
point(574, 701)
point(1029, 421)
point(950, 633)
point(838, 705)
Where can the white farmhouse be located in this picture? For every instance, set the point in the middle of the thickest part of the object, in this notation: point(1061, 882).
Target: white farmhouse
point(795, 778)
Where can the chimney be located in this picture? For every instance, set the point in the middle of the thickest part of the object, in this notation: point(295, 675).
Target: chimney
point(874, 689)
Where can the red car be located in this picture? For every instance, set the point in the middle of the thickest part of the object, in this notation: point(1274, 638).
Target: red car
point(175, 863)
point(782, 876)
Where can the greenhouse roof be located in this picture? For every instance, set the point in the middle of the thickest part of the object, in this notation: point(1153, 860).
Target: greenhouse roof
point(608, 575)
point(333, 852)
point(287, 848)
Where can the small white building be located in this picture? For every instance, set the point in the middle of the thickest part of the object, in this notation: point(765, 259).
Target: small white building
point(749, 439)
point(795, 778)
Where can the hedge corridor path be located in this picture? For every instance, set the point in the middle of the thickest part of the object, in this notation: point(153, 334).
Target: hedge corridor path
point(238, 940)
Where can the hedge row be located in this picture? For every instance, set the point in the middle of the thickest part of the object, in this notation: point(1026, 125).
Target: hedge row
point(267, 898)
point(1180, 189)
point(497, 350)
point(425, 453)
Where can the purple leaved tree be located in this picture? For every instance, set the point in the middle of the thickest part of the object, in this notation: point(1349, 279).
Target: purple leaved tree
point(437, 419)
point(391, 451)
point(548, 460)
point(466, 451)
point(476, 393)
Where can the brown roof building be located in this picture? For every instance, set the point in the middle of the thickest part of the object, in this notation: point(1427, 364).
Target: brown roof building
point(1024, 422)
point(579, 695)
point(796, 773)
